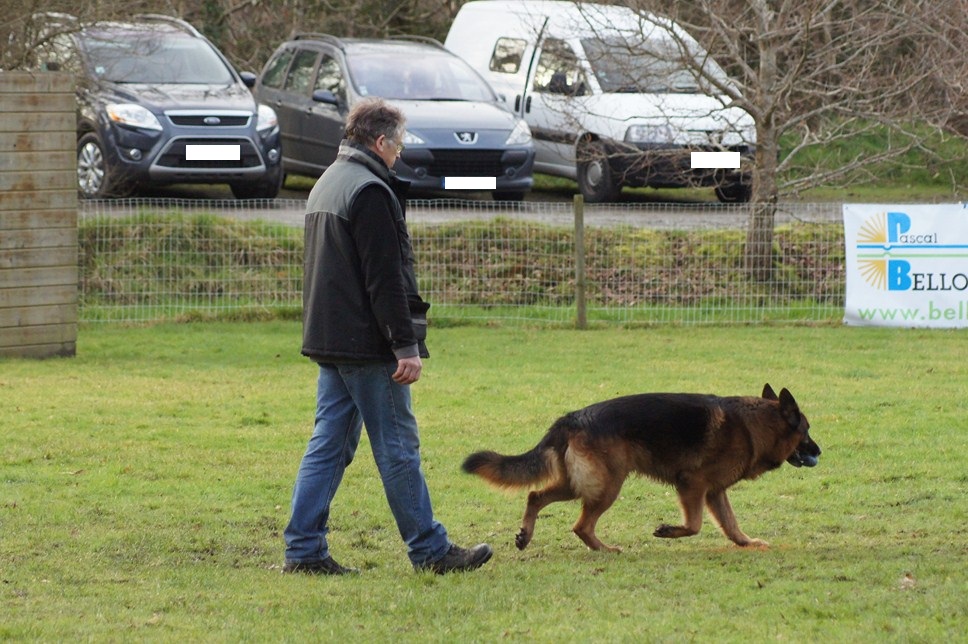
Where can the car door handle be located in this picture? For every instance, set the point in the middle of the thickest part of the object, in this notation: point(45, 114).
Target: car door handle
point(527, 105)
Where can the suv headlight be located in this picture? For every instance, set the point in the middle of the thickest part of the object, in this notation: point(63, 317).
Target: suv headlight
point(649, 134)
point(520, 135)
point(132, 115)
point(266, 119)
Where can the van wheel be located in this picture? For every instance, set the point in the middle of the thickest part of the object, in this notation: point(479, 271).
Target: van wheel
point(95, 179)
point(596, 180)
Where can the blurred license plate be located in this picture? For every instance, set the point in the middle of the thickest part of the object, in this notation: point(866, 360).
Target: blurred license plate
point(213, 152)
point(470, 183)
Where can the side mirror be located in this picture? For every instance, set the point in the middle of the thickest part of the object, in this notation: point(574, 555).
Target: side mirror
point(325, 96)
point(248, 79)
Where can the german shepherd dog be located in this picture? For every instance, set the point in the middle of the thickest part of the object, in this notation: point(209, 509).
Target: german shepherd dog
point(700, 444)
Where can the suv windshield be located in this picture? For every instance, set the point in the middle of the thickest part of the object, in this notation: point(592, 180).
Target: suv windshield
point(153, 57)
point(429, 76)
point(647, 68)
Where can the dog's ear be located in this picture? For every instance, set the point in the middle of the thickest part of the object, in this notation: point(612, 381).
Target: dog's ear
point(768, 392)
point(789, 408)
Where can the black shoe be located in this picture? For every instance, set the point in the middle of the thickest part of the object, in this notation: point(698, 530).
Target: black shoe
point(460, 559)
point(327, 566)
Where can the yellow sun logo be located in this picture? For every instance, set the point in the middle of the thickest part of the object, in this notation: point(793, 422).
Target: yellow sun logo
point(874, 272)
point(874, 230)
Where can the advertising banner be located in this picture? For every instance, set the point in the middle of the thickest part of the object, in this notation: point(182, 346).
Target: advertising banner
point(907, 265)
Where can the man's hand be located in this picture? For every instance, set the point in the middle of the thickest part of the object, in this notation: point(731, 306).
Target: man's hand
point(408, 370)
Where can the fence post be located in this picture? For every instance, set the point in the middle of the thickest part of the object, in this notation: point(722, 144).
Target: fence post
point(581, 320)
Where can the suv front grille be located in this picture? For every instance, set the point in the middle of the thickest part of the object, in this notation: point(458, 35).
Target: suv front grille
point(463, 163)
point(214, 119)
point(174, 155)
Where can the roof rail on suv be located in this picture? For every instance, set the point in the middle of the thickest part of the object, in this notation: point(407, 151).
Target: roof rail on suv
point(424, 39)
point(171, 20)
point(55, 16)
point(51, 22)
point(335, 40)
point(312, 35)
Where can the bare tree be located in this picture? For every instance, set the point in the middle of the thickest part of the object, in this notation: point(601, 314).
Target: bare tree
point(247, 31)
point(813, 73)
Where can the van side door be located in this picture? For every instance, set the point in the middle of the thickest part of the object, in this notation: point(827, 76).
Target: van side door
point(510, 69)
point(555, 108)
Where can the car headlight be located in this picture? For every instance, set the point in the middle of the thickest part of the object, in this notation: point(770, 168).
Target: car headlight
point(266, 119)
point(520, 135)
point(649, 134)
point(409, 138)
point(132, 115)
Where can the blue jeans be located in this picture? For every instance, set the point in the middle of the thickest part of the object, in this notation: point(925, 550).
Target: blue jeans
point(348, 397)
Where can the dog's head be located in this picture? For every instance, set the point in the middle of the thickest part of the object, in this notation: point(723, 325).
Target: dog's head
point(807, 452)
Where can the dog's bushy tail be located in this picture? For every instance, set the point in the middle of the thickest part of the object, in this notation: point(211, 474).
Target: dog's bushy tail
point(523, 470)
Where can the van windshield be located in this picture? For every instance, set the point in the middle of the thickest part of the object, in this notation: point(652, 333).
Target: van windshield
point(646, 68)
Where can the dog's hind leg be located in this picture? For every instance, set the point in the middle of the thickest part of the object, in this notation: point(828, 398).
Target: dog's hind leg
point(722, 511)
point(690, 500)
point(591, 511)
point(537, 500)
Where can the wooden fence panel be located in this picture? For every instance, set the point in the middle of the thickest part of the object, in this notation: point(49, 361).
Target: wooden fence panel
point(38, 215)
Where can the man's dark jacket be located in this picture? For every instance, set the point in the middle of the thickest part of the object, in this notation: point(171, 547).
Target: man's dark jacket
point(360, 300)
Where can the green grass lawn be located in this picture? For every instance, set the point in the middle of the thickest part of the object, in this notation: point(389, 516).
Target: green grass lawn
point(146, 482)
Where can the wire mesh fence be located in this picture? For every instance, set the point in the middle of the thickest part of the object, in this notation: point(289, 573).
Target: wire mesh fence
point(477, 261)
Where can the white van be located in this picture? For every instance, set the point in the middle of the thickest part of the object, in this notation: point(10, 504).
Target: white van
point(608, 93)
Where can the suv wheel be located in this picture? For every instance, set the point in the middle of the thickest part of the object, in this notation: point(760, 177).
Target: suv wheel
point(95, 180)
point(267, 189)
point(595, 176)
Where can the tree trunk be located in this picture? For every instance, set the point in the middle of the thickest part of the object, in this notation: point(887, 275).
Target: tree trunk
point(759, 236)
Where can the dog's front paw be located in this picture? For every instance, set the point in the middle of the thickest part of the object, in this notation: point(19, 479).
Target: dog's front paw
point(755, 543)
point(522, 539)
point(666, 531)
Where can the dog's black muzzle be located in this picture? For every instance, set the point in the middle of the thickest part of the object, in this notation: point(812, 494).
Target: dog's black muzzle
point(806, 454)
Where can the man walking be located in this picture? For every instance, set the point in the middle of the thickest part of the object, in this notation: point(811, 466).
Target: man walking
point(364, 323)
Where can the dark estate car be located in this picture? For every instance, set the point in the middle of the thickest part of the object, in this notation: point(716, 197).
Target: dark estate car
point(458, 131)
point(159, 104)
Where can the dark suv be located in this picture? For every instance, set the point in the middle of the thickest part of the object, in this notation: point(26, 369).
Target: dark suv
point(459, 134)
point(159, 104)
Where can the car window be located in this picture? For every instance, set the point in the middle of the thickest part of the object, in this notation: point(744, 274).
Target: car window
point(507, 55)
point(152, 57)
point(300, 76)
point(276, 69)
point(330, 77)
point(558, 70)
point(431, 75)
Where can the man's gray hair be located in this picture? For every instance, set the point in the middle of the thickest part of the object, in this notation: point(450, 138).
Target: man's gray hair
point(372, 118)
